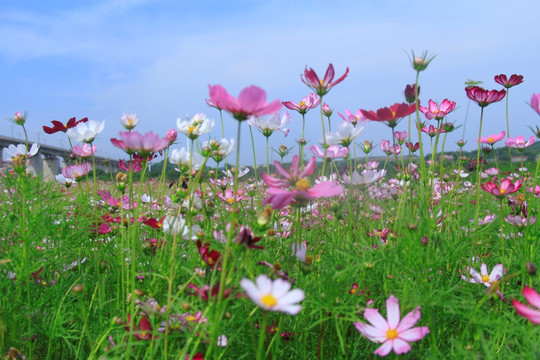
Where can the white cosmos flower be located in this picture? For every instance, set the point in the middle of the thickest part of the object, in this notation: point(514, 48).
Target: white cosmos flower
point(346, 134)
point(87, 131)
point(176, 225)
point(129, 121)
point(273, 295)
point(365, 177)
point(268, 125)
point(180, 158)
point(20, 150)
point(197, 126)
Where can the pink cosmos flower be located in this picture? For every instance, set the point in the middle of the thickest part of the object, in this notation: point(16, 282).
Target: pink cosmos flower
point(438, 112)
point(484, 276)
point(321, 87)
point(484, 97)
point(432, 131)
point(124, 201)
point(519, 142)
point(332, 152)
point(307, 103)
point(493, 138)
point(327, 111)
point(535, 103)
point(508, 83)
point(76, 171)
point(353, 118)
point(295, 188)
point(533, 298)
point(390, 114)
point(520, 221)
point(506, 187)
point(145, 145)
point(84, 151)
point(394, 333)
point(251, 102)
point(412, 147)
point(401, 136)
point(389, 149)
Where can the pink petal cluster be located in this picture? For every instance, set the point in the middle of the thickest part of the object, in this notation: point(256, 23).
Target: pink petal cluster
point(353, 118)
point(145, 145)
point(295, 188)
point(506, 187)
point(332, 152)
point(251, 102)
point(519, 142)
point(533, 298)
point(84, 151)
point(394, 333)
point(484, 97)
point(321, 87)
point(492, 138)
point(434, 111)
point(307, 103)
point(535, 103)
point(76, 171)
point(508, 83)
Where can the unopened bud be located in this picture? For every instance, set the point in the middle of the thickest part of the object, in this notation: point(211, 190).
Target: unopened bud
point(531, 269)
point(79, 288)
point(138, 292)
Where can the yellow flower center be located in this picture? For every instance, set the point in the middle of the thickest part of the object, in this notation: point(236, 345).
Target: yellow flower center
point(490, 139)
point(269, 300)
point(354, 291)
point(391, 334)
point(502, 191)
point(191, 318)
point(230, 200)
point(485, 278)
point(191, 129)
point(302, 185)
point(301, 104)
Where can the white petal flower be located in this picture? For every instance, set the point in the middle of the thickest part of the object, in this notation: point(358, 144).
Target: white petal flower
point(196, 126)
point(176, 225)
point(86, 131)
point(346, 134)
point(273, 295)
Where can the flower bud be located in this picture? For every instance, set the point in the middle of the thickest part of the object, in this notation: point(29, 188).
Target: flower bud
point(19, 118)
point(531, 269)
point(326, 110)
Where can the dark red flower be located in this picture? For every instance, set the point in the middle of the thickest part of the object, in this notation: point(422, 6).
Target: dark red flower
point(508, 83)
point(141, 332)
point(484, 97)
point(248, 238)
point(58, 126)
point(391, 114)
point(211, 257)
point(154, 223)
point(409, 93)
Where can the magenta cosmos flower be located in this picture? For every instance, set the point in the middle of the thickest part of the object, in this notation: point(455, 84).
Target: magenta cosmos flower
point(145, 145)
point(391, 114)
point(76, 171)
point(508, 83)
point(484, 97)
point(394, 333)
point(492, 138)
point(322, 87)
point(533, 298)
point(500, 191)
point(295, 188)
point(352, 118)
point(519, 142)
point(433, 111)
point(332, 152)
point(307, 103)
point(251, 102)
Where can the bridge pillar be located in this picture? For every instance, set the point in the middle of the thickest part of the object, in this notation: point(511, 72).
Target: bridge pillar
point(51, 167)
point(36, 164)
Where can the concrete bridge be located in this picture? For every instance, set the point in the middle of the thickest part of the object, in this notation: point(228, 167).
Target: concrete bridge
point(50, 159)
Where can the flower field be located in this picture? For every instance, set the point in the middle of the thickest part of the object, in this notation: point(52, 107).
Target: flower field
point(326, 254)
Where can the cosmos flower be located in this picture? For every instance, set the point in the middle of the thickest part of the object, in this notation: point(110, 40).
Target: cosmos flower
point(535, 103)
point(433, 111)
point(86, 131)
point(294, 187)
point(307, 103)
point(394, 333)
point(484, 97)
point(198, 125)
point(77, 171)
point(353, 118)
point(508, 83)
point(129, 121)
point(345, 135)
point(493, 138)
point(519, 142)
point(391, 114)
point(484, 276)
point(273, 295)
point(58, 126)
point(332, 152)
point(533, 298)
point(84, 151)
point(181, 159)
point(267, 125)
point(365, 177)
point(321, 87)
point(506, 187)
point(251, 102)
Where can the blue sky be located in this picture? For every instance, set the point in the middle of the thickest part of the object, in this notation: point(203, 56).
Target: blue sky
point(100, 59)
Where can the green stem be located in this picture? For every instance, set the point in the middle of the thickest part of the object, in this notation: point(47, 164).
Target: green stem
point(254, 157)
point(324, 137)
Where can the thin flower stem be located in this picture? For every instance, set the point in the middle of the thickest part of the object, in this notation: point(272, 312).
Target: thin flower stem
point(267, 156)
point(478, 170)
point(508, 126)
point(254, 157)
point(324, 137)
